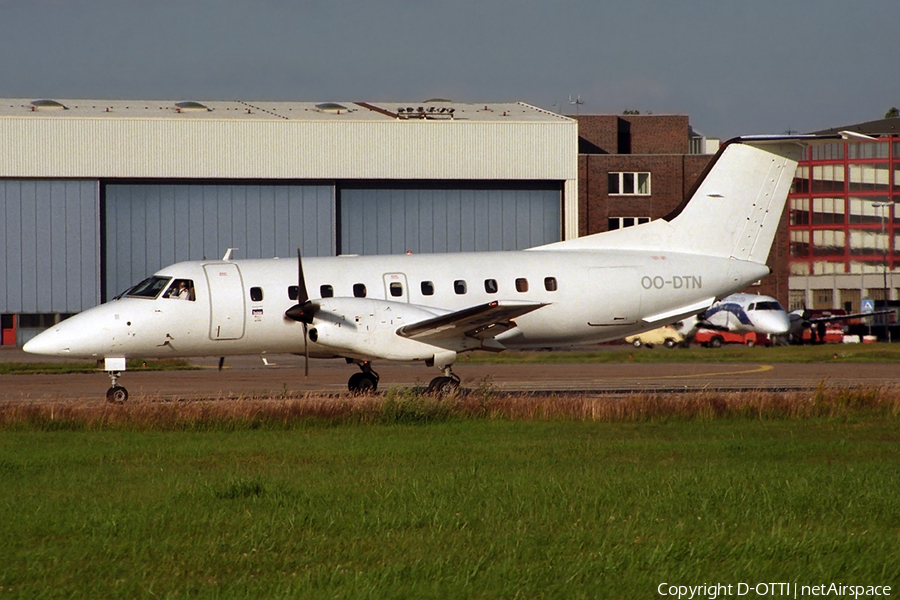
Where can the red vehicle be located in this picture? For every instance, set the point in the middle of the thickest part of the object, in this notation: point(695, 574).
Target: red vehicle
point(714, 338)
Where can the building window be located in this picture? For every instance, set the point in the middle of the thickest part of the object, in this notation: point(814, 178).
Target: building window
point(622, 222)
point(459, 286)
point(799, 211)
point(490, 286)
point(629, 184)
point(427, 288)
point(326, 291)
point(359, 290)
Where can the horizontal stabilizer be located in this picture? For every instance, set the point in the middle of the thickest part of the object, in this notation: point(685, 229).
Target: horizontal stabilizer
point(681, 312)
point(483, 321)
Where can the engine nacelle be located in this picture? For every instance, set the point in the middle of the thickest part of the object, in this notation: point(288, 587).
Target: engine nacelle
point(365, 327)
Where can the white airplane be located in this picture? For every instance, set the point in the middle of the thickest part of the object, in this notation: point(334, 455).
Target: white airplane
point(431, 307)
point(745, 313)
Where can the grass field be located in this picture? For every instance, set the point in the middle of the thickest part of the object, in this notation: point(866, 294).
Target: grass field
point(480, 497)
point(65, 368)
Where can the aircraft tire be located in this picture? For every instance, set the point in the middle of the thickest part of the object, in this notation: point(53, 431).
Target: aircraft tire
point(362, 383)
point(443, 386)
point(117, 395)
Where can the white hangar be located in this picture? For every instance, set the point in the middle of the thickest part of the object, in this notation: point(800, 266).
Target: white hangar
point(97, 194)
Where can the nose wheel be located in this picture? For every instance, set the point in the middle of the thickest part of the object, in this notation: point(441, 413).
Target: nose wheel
point(116, 394)
point(365, 382)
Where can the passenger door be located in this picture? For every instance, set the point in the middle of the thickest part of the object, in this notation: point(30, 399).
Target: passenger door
point(226, 301)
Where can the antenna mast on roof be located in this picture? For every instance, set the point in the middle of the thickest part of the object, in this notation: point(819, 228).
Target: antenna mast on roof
point(577, 102)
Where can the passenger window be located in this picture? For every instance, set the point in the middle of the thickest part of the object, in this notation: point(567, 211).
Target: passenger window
point(256, 294)
point(182, 289)
point(427, 288)
point(327, 291)
point(293, 292)
point(359, 290)
point(550, 284)
point(521, 284)
point(490, 286)
point(459, 286)
point(396, 289)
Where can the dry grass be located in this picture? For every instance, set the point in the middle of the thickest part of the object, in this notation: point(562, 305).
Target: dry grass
point(409, 406)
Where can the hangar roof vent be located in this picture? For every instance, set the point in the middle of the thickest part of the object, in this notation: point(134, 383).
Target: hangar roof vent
point(47, 105)
point(332, 107)
point(190, 106)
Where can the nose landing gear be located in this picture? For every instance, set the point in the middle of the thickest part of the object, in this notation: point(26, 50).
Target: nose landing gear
point(114, 367)
point(116, 394)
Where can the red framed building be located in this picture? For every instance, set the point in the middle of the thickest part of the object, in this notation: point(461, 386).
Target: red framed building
point(844, 226)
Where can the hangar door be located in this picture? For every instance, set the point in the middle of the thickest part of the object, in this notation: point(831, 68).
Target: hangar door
point(447, 217)
point(149, 225)
point(49, 245)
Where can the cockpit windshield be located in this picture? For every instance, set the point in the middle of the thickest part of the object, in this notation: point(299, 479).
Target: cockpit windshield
point(770, 305)
point(149, 288)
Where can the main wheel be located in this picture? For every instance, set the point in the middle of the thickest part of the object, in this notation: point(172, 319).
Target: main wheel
point(443, 386)
point(117, 394)
point(362, 383)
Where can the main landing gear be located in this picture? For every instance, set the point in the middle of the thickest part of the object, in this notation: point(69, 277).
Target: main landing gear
point(444, 385)
point(116, 394)
point(364, 382)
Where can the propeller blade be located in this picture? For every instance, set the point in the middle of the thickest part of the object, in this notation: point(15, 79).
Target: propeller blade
point(305, 352)
point(302, 294)
point(304, 310)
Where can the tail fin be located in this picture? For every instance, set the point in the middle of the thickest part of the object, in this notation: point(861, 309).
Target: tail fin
point(733, 212)
point(737, 207)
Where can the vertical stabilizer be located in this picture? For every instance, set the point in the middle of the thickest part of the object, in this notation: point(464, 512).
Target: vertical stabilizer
point(733, 212)
point(737, 207)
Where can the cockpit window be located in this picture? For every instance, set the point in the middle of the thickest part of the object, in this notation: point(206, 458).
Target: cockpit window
point(182, 289)
point(770, 305)
point(149, 288)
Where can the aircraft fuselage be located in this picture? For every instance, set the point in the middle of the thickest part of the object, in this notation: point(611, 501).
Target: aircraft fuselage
point(238, 307)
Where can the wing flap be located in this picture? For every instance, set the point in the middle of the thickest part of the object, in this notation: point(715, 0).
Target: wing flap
point(483, 321)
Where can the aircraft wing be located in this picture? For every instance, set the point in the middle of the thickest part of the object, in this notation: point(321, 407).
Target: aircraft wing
point(844, 317)
point(482, 322)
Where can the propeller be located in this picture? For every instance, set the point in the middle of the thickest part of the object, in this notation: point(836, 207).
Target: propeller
point(303, 312)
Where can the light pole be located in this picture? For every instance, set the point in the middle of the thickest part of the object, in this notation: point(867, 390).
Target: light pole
point(884, 264)
point(883, 206)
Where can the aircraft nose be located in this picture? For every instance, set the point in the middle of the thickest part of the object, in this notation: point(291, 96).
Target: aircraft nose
point(774, 323)
point(48, 343)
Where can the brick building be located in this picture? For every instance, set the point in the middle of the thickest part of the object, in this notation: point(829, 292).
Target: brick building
point(634, 168)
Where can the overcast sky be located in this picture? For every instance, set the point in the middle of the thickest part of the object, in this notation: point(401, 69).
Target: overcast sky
point(735, 67)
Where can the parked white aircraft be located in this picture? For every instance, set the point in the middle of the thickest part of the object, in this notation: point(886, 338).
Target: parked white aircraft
point(430, 308)
point(743, 313)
